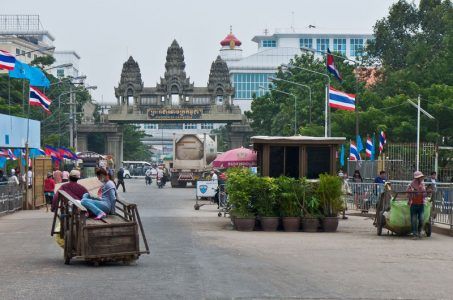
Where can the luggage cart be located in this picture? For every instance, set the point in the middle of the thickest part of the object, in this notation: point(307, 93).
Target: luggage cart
point(206, 192)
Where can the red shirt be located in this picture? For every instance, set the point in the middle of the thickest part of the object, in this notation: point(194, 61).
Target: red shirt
point(74, 190)
point(417, 192)
point(49, 185)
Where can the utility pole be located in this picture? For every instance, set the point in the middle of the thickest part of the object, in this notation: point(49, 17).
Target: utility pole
point(418, 133)
point(71, 118)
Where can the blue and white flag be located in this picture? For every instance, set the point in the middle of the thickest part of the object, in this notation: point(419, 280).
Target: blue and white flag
point(341, 100)
point(37, 98)
point(359, 143)
point(38, 78)
point(342, 156)
point(7, 60)
point(21, 70)
point(353, 153)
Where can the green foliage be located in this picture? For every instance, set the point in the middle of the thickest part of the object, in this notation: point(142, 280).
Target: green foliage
point(133, 148)
point(43, 61)
point(329, 193)
point(240, 186)
point(311, 204)
point(290, 196)
point(265, 197)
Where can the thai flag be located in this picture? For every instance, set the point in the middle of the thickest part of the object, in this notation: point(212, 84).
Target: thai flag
point(353, 153)
point(7, 60)
point(37, 98)
point(341, 100)
point(331, 66)
point(11, 155)
point(369, 148)
point(4, 153)
point(382, 141)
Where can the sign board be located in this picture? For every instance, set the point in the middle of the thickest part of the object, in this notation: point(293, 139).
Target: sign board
point(175, 113)
point(13, 132)
point(207, 188)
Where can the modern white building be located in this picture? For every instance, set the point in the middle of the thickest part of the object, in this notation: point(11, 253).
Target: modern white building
point(24, 36)
point(250, 72)
point(66, 57)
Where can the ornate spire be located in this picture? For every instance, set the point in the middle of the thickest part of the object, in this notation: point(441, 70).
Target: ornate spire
point(219, 76)
point(175, 64)
point(131, 72)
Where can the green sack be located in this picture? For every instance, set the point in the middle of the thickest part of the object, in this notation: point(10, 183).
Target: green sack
point(398, 219)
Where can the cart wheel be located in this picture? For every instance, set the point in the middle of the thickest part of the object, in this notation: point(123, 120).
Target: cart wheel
point(428, 229)
point(196, 206)
point(67, 251)
point(380, 224)
point(219, 214)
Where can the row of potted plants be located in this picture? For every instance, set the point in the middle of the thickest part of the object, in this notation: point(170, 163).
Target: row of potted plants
point(296, 202)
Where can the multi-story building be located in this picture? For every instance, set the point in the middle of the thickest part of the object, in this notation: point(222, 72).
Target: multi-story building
point(23, 36)
point(248, 73)
point(66, 57)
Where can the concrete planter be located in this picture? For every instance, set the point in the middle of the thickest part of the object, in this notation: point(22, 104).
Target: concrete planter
point(244, 224)
point(269, 223)
point(330, 224)
point(291, 224)
point(310, 224)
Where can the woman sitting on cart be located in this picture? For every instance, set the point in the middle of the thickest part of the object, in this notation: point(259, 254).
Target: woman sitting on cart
point(105, 204)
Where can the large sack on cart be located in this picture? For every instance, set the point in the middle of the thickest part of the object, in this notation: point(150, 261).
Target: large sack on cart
point(398, 219)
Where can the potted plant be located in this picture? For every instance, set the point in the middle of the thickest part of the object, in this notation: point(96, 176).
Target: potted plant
point(310, 208)
point(266, 204)
point(240, 190)
point(289, 199)
point(329, 193)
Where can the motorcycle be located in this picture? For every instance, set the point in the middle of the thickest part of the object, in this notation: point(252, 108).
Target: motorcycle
point(160, 182)
point(148, 180)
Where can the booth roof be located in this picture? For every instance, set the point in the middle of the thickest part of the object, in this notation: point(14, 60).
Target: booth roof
point(298, 139)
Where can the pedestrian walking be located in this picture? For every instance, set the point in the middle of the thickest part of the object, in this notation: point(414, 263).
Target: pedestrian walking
point(417, 194)
point(148, 179)
point(358, 190)
point(57, 176)
point(120, 176)
point(13, 178)
point(3, 179)
point(49, 189)
point(65, 176)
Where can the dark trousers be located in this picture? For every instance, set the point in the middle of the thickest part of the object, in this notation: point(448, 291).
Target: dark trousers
point(417, 218)
point(121, 182)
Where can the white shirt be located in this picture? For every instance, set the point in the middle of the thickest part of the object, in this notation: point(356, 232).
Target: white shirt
point(160, 173)
point(214, 177)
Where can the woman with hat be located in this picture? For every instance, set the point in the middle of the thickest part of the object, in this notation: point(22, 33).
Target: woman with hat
point(417, 194)
point(49, 188)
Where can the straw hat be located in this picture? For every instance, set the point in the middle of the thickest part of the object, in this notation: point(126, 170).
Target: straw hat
point(418, 174)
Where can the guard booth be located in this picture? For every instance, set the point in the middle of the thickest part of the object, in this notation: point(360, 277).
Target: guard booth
point(296, 156)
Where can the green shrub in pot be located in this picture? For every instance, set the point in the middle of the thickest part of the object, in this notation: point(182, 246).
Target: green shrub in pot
point(265, 197)
point(240, 188)
point(289, 196)
point(329, 193)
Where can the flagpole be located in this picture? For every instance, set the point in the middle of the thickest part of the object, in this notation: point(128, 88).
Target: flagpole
point(27, 149)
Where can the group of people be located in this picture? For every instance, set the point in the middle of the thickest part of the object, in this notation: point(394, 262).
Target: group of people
point(16, 178)
point(160, 173)
point(99, 207)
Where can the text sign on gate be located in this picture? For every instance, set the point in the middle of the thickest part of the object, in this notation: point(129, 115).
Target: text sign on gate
point(175, 113)
point(207, 188)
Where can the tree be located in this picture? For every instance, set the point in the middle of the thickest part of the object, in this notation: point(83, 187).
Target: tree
point(43, 61)
point(133, 148)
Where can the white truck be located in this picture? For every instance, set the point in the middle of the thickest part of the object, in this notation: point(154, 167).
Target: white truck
point(192, 154)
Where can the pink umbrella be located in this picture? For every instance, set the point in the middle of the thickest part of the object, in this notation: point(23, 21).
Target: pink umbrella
point(240, 157)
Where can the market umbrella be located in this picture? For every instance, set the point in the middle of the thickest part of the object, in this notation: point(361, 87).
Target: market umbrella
point(240, 157)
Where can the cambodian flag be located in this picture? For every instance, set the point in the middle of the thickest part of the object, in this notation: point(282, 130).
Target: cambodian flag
point(382, 141)
point(353, 153)
point(341, 100)
point(37, 98)
point(7, 60)
point(331, 66)
point(369, 148)
point(66, 153)
point(52, 152)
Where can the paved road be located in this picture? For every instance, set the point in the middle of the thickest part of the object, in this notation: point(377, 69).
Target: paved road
point(196, 255)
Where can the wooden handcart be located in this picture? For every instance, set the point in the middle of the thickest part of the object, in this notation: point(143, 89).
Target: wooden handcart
point(116, 238)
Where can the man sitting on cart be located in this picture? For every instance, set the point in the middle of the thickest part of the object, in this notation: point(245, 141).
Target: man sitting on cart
point(74, 189)
point(417, 194)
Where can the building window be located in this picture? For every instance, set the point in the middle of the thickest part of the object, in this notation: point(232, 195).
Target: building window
point(17, 51)
point(171, 126)
point(269, 44)
point(219, 100)
point(151, 126)
point(29, 55)
point(22, 52)
point(339, 45)
point(356, 47)
point(201, 100)
point(306, 43)
point(322, 44)
point(248, 84)
point(60, 72)
point(207, 125)
point(190, 126)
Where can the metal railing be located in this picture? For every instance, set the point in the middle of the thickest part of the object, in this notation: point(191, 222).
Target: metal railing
point(11, 197)
point(363, 197)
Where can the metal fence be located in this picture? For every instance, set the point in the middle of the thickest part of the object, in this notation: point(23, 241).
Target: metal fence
point(11, 197)
point(363, 197)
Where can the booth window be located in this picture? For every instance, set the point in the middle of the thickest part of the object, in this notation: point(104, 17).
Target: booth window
point(284, 160)
point(318, 161)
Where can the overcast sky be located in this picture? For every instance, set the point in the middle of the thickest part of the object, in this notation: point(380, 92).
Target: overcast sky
point(105, 32)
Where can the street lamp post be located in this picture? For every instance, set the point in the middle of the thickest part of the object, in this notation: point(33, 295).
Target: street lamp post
point(326, 104)
point(295, 104)
point(419, 110)
point(301, 85)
